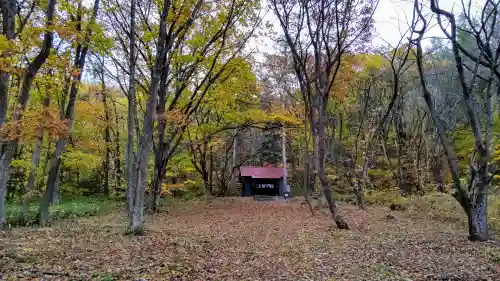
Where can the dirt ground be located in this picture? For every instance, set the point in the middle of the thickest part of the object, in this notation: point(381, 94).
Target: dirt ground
point(240, 239)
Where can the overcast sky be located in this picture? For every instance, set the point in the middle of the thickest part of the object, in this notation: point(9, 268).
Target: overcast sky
point(393, 16)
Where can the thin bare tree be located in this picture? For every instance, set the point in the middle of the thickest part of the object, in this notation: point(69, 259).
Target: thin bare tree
point(319, 35)
point(473, 195)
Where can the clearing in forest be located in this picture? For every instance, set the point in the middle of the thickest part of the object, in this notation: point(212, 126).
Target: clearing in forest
point(240, 239)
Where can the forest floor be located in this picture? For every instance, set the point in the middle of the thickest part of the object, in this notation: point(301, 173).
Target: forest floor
point(240, 239)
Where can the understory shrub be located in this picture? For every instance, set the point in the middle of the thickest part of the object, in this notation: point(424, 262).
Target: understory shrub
point(67, 208)
point(434, 205)
point(390, 198)
point(187, 190)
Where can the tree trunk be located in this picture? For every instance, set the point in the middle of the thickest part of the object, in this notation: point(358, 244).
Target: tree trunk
point(137, 166)
point(360, 193)
point(211, 172)
point(233, 181)
point(118, 169)
point(437, 168)
point(440, 177)
point(106, 168)
point(478, 217)
point(320, 160)
point(313, 164)
point(55, 167)
point(8, 19)
point(305, 178)
point(399, 172)
point(107, 139)
point(116, 157)
point(204, 169)
point(341, 125)
point(417, 167)
point(4, 92)
point(286, 188)
point(206, 183)
point(41, 182)
point(293, 166)
point(9, 9)
point(4, 177)
point(158, 172)
point(383, 145)
point(477, 212)
point(35, 159)
point(56, 195)
point(476, 209)
point(51, 190)
point(131, 123)
point(306, 159)
point(136, 225)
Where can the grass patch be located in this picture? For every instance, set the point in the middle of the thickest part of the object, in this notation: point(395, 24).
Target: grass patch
point(438, 206)
point(391, 199)
point(66, 209)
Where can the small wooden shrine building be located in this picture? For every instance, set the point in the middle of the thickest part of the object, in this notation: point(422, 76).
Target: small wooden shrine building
point(261, 181)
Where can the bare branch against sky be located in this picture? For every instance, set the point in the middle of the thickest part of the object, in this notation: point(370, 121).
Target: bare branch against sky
point(392, 20)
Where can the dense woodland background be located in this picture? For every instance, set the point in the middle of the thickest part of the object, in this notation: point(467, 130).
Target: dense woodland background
point(135, 100)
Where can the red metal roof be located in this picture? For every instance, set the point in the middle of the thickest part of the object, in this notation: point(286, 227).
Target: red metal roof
point(261, 172)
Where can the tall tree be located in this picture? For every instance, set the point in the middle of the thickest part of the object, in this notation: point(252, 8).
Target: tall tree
point(165, 40)
point(472, 196)
point(8, 150)
point(131, 120)
point(319, 35)
point(35, 158)
point(68, 112)
point(201, 57)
